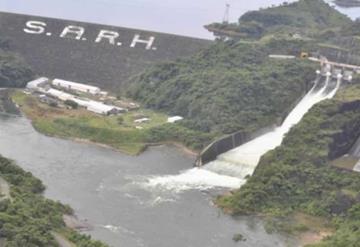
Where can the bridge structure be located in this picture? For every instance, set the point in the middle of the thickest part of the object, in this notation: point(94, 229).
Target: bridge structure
point(336, 68)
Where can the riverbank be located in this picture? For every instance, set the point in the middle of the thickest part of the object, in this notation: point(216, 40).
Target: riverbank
point(27, 217)
point(116, 132)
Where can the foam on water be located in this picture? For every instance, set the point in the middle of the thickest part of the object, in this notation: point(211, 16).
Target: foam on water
point(231, 168)
point(196, 178)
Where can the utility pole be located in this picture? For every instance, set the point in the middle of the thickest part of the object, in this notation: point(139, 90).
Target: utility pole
point(226, 14)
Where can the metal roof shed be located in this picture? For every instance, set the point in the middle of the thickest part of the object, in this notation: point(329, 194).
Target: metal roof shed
point(100, 108)
point(76, 86)
point(35, 84)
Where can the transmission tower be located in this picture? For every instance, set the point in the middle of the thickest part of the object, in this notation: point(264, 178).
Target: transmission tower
point(226, 14)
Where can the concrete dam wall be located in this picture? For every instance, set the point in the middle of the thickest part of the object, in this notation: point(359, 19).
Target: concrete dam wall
point(104, 56)
point(227, 143)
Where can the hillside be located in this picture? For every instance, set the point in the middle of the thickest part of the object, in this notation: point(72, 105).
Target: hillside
point(26, 217)
point(298, 175)
point(228, 87)
point(305, 17)
point(14, 72)
point(233, 85)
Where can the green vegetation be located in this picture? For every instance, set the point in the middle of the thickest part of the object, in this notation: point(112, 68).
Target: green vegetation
point(28, 219)
point(228, 87)
point(305, 17)
point(14, 72)
point(119, 132)
point(297, 176)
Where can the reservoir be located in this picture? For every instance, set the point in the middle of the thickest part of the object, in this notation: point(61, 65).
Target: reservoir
point(110, 190)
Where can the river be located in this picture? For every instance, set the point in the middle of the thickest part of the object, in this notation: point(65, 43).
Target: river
point(110, 191)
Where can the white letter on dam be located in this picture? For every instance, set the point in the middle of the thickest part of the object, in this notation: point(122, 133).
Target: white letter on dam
point(35, 27)
point(109, 35)
point(148, 42)
point(73, 32)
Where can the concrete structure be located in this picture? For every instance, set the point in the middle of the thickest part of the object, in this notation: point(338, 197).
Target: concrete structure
point(281, 56)
point(226, 143)
point(75, 86)
point(85, 52)
point(36, 84)
point(174, 119)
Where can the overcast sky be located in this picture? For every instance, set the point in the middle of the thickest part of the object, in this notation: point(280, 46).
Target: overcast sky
point(185, 17)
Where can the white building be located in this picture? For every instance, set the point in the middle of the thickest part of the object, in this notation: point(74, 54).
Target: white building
point(76, 86)
point(142, 120)
point(98, 107)
point(36, 84)
point(174, 119)
point(59, 94)
point(90, 105)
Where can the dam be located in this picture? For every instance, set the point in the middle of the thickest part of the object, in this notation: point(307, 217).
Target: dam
point(104, 56)
point(231, 168)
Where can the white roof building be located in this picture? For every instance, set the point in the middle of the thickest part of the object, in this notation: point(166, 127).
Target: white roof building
point(35, 84)
point(60, 94)
point(76, 86)
point(90, 105)
point(174, 119)
point(100, 108)
point(97, 107)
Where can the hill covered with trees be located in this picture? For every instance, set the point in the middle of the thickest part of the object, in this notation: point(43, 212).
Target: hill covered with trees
point(305, 17)
point(26, 217)
point(228, 87)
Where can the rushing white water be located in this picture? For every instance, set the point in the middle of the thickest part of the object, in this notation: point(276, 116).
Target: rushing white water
point(231, 168)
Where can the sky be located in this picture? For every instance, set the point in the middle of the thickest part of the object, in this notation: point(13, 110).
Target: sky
point(184, 17)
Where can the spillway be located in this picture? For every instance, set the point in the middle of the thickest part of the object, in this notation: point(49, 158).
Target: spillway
point(230, 169)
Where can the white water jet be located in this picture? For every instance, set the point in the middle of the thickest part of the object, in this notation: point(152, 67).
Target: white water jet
point(230, 169)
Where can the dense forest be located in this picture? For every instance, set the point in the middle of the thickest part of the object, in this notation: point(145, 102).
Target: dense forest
point(14, 72)
point(26, 217)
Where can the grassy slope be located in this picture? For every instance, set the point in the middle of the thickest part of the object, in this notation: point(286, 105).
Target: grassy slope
point(297, 176)
point(28, 219)
point(122, 136)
